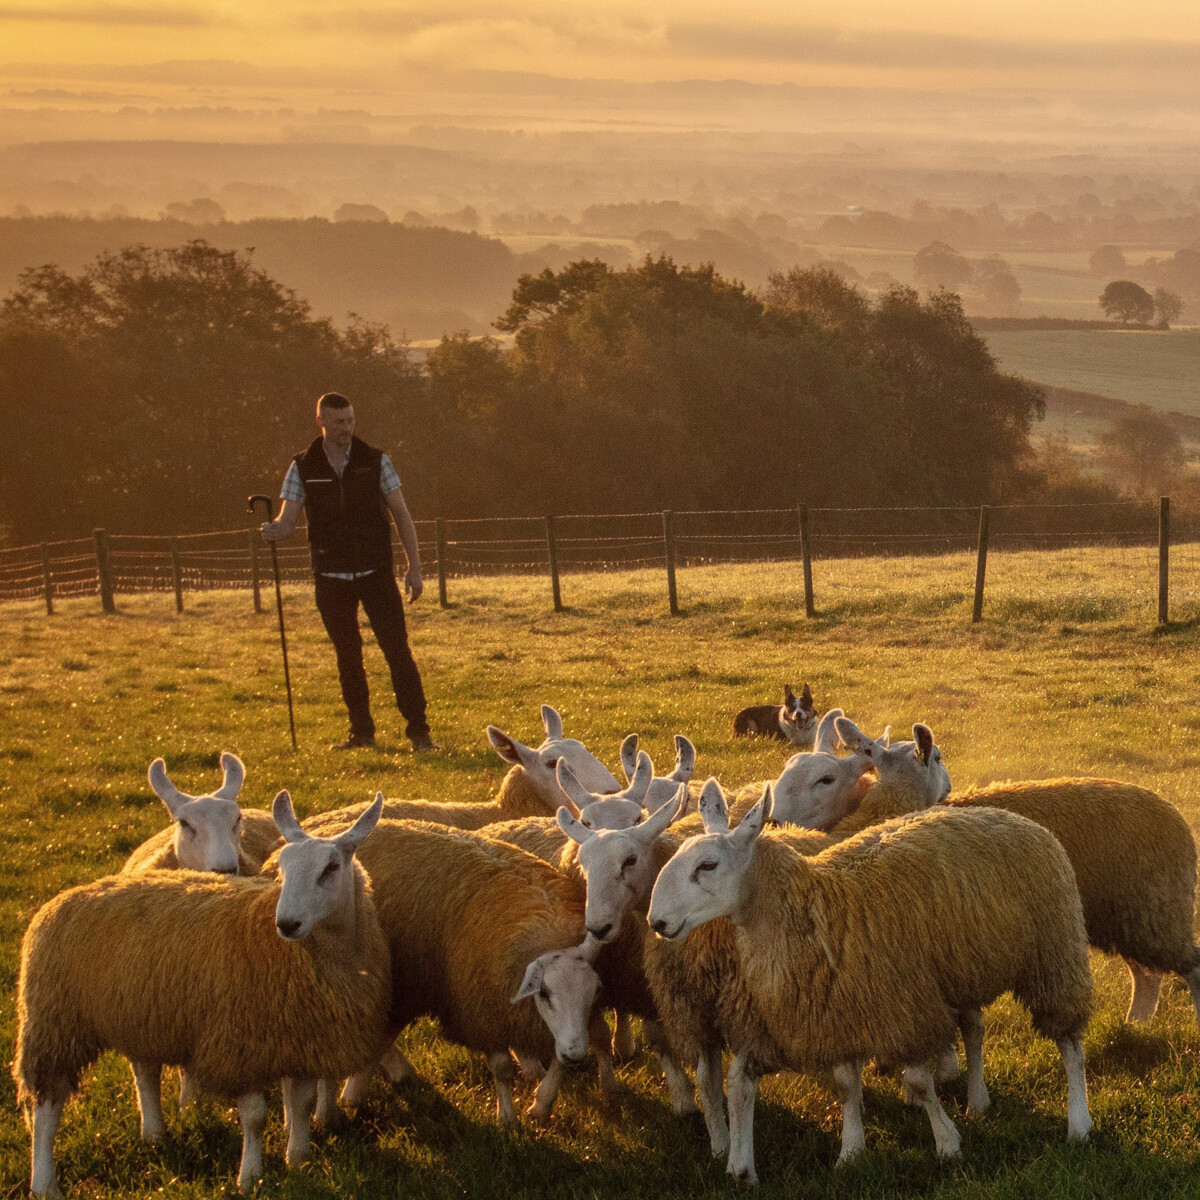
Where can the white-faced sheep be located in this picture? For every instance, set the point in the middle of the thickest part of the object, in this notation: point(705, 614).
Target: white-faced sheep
point(209, 833)
point(466, 916)
point(616, 810)
point(1133, 854)
point(880, 941)
point(662, 788)
point(242, 981)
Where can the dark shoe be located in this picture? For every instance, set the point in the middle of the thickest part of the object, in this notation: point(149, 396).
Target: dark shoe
point(356, 741)
point(422, 743)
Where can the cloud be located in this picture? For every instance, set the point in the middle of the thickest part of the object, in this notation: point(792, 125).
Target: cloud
point(108, 14)
point(789, 44)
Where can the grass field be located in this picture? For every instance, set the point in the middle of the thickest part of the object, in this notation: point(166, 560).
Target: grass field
point(1065, 675)
point(1159, 369)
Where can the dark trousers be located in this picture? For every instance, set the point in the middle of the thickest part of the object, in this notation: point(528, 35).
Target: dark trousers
point(337, 602)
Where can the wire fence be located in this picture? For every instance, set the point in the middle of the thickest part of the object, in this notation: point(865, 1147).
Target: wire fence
point(1022, 554)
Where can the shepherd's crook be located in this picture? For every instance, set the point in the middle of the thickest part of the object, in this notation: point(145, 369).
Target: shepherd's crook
point(287, 679)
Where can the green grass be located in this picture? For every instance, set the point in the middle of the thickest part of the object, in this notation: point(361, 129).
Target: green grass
point(1065, 675)
point(1159, 369)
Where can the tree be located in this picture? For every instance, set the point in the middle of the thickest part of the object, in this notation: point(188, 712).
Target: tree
point(1168, 306)
point(997, 285)
point(938, 265)
point(1127, 301)
point(1106, 260)
point(1143, 451)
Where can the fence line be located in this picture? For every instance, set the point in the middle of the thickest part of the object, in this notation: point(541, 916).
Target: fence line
point(111, 565)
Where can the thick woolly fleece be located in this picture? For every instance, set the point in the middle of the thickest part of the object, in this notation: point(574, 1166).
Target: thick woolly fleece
point(540, 836)
point(516, 798)
point(465, 915)
point(878, 941)
point(187, 969)
point(1134, 859)
point(259, 838)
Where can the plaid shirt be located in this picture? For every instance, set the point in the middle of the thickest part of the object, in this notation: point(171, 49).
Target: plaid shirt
point(293, 489)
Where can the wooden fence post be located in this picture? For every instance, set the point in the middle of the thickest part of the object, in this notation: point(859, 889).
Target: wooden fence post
point(177, 575)
point(441, 557)
point(668, 519)
point(47, 582)
point(254, 536)
point(552, 549)
point(1164, 556)
point(810, 609)
point(104, 574)
point(980, 565)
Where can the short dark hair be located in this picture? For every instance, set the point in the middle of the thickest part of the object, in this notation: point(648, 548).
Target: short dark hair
point(332, 400)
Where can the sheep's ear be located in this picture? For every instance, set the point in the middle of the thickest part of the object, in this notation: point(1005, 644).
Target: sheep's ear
point(755, 821)
point(884, 740)
point(827, 738)
point(235, 776)
point(285, 818)
point(576, 830)
point(639, 785)
point(714, 813)
point(806, 700)
point(923, 736)
point(532, 983)
point(629, 756)
point(353, 837)
point(508, 748)
point(570, 787)
point(851, 736)
point(164, 789)
point(552, 723)
point(685, 758)
point(662, 817)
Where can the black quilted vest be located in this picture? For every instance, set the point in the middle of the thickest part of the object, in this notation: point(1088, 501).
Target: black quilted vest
point(348, 526)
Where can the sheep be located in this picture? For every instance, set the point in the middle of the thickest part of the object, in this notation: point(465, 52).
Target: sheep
point(794, 721)
point(209, 833)
point(880, 941)
point(466, 916)
point(616, 810)
point(241, 981)
point(1133, 854)
point(662, 788)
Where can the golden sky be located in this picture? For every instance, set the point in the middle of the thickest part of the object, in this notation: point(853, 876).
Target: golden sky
point(1093, 45)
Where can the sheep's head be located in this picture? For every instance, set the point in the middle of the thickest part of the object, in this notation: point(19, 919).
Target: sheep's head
point(703, 880)
point(208, 829)
point(917, 764)
point(816, 790)
point(539, 763)
point(564, 986)
point(662, 788)
point(618, 865)
point(618, 811)
point(317, 874)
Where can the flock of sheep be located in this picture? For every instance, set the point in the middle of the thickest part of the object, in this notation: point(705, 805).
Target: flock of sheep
point(851, 909)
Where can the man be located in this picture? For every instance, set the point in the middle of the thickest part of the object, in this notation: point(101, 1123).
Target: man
point(346, 489)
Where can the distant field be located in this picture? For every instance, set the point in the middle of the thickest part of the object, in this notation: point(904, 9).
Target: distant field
point(1067, 674)
point(1159, 369)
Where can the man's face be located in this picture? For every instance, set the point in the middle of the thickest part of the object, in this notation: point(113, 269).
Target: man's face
point(337, 425)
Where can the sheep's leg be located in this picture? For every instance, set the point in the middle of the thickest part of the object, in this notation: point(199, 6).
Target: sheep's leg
point(1143, 1002)
point(547, 1093)
point(326, 1112)
point(252, 1109)
point(189, 1093)
point(1079, 1120)
point(504, 1073)
point(848, 1077)
point(624, 1043)
point(148, 1078)
point(742, 1088)
point(945, 1136)
point(970, 1021)
point(945, 1068)
point(42, 1178)
point(710, 1086)
point(683, 1098)
point(398, 1067)
point(601, 1043)
point(299, 1096)
point(529, 1066)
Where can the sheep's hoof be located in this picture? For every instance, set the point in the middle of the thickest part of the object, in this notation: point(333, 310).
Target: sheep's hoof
point(744, 1175)
point(684, 1106)
point(540, 1117)
point(153, 1135)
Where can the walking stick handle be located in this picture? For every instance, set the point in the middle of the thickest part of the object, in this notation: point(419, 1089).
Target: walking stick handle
point(251, 501)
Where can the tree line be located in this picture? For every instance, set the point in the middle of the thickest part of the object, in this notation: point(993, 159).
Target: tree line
point(154, 389)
